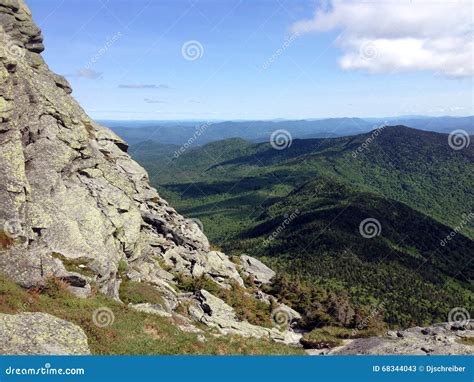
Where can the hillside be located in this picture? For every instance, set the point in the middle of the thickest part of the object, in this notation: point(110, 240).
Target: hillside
point(414, 167)
point(323, 243)
point(411, 181)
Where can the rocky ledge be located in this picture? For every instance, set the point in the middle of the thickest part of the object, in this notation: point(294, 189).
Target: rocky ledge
point(444, 338)
point(75, 207)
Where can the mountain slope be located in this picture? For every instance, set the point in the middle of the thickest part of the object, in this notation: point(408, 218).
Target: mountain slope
point(417, 187)
point(324, 241)
point(414, 167)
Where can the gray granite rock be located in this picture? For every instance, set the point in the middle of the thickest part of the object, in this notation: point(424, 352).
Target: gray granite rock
point(256, 269)
point(69, 188)
point(40, 334)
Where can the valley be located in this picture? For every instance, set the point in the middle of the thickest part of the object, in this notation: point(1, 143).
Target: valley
point(416, 188)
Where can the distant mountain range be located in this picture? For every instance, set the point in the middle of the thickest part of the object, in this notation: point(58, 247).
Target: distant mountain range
point(200, 133)
point(302, 208)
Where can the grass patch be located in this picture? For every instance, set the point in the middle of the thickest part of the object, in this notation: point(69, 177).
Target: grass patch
point(132, 332)
point(320, 339)
point(331, 336)
point(466, 341)
point(246, 307)
point(78, 265)
point(132, 292)
point(189, 284)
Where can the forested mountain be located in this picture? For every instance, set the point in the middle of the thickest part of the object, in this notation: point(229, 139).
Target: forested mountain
point(416, 187)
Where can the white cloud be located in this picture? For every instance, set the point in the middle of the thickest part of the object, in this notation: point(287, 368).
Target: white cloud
point(396, 35)
point(86, 73)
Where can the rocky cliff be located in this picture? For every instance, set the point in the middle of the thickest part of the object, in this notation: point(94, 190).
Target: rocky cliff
point(70, 193)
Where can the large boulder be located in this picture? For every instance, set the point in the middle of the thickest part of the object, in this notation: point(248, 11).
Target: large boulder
point(40, 334)
point(256, 269)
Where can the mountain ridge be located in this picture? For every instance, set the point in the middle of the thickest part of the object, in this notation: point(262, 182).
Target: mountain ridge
point(94, 260)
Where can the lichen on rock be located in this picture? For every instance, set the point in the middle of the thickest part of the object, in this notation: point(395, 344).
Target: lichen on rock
point(70, 191)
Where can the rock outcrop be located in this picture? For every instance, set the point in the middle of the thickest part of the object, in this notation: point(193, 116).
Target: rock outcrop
point(69, 189)
point(70, 193)
point(40, 334)
point(439, 339)
point(254, 268)
point(215, 313)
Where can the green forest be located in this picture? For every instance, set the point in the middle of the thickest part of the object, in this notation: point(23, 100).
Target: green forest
point(301, 209)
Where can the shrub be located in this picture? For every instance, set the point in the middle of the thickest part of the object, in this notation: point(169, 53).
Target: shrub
point(320, 339)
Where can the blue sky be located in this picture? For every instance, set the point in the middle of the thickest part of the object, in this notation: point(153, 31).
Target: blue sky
point(260, 59)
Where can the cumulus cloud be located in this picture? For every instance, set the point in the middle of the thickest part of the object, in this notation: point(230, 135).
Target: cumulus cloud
point(388, 36)
point(143, 86)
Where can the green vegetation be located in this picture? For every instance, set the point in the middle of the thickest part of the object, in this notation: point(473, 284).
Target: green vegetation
point(466, 341)
point(132, 292)
point(411, 182)
point(78, 265)
point(132, 332)
point(246, 307)
point(332, 336)
point(319, 338)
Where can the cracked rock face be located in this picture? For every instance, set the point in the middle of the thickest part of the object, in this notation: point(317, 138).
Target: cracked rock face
point(70, 194)
point(69, 189)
